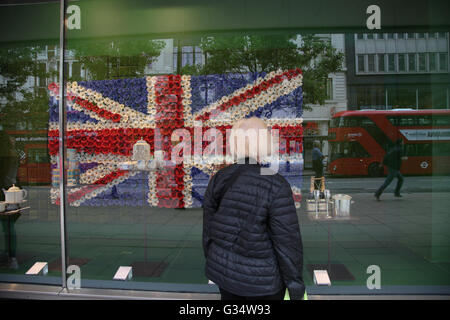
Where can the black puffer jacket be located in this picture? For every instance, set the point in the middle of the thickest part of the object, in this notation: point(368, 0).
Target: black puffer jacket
point(252, 242)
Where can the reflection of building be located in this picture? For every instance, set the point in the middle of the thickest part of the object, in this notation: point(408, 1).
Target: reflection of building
point(398, 70)
point(317, 119)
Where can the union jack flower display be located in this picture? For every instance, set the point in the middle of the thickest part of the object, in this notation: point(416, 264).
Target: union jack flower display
point(106, 118)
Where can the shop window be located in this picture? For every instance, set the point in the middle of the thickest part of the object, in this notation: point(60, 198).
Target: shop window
point(381, 64)
point(411, 62)
point(42, 75)
point(401, 62)
point(391, 62)
point(443, 61)
point(410, 35)
point(360, 63)
point(432, 61)
point(400, 36)
point(371, 62)
point(329, 88)
point(422, 62)
point(76, 70)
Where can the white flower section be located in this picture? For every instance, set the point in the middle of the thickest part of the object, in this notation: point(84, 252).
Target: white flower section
point(94, 174)
point(152, 198)
point(283, 122)
point(187, 191)
point(151, 103)
point(186, 100)
point(128, 115)
point(102, 158)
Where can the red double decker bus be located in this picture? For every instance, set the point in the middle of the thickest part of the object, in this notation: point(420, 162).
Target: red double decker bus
point(32, 148)
point(358, 141)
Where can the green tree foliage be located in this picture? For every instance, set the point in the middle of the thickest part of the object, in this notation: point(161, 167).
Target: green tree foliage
point(256, 53)
point(112, 59)
point(23, 103)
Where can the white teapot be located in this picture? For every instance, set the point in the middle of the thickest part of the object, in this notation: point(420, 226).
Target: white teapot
point(15, 194)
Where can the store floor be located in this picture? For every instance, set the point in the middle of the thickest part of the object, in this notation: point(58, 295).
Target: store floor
point(408, 238)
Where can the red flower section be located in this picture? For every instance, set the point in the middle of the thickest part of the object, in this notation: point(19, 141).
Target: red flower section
point(99, 111)
point(169, 116)
point(107, 141)
point(110, 177)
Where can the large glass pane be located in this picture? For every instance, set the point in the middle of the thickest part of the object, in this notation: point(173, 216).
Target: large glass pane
point(147, 82)
point(30, 229)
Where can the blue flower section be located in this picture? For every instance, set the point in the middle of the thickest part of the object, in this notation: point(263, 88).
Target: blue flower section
point(87, 166)
point(198, 195)
point(200, 182)
point(198, 174)
point(130, 92)
point(196, 203)
point(131, 192)
point(72, 115)
point(210, 88)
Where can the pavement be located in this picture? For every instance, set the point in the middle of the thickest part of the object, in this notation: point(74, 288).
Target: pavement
point(408, 238)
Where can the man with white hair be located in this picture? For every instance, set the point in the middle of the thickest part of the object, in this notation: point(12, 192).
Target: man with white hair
point(251, 235)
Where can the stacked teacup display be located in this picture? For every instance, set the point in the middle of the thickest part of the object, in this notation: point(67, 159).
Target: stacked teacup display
point(73, 170)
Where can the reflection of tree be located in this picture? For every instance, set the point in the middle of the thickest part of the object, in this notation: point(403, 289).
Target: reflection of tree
point(255, 53)
point(112, 59)
point(22, 101)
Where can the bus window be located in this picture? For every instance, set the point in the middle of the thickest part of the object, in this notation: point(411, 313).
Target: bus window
point(411, 150)
point(441, 120)
point(348, 149)
point(424, 121)
point(393, 120)
point(366, 122)
point(38, 155)
point(335, 122)
point(407, 121)
point(352, 121)
point(441, 149)
point(424, 149)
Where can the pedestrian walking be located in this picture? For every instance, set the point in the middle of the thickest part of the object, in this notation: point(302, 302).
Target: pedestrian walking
point(251, 236)
point(317, 160)
point(393, 161)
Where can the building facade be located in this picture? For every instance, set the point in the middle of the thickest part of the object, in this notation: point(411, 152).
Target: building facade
point(398, 70)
